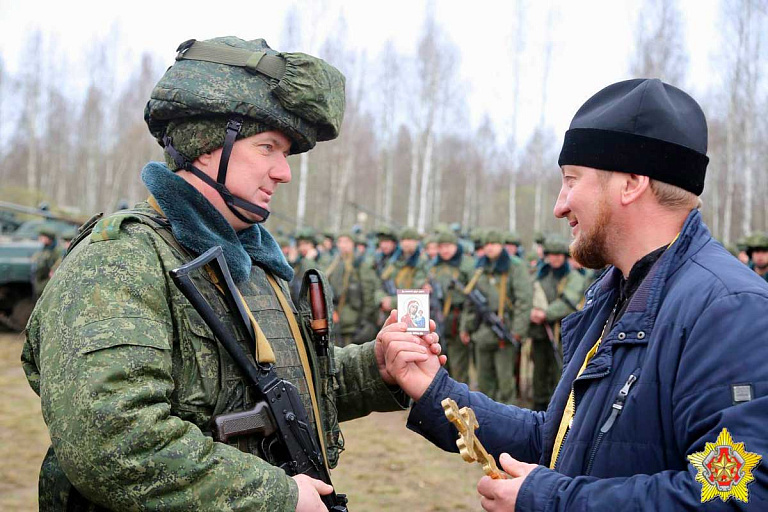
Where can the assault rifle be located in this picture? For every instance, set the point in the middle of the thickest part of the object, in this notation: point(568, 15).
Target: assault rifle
point(389, 286)
point(487, 316)
point(279, 418)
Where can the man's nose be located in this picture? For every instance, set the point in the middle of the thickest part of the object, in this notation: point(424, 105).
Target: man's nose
point(561, 205)
point(281, 171)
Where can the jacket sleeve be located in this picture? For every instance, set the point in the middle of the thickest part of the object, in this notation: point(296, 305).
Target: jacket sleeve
point(568, 301)
point(369, 281)
point(522, 290)
point(106, 385)
point(361, 390)
point(702, 406)
point(503, 428)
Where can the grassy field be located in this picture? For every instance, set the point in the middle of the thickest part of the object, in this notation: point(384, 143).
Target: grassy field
point(385, 466)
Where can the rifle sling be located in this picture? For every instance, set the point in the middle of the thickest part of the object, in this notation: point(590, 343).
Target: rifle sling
point(304, 361)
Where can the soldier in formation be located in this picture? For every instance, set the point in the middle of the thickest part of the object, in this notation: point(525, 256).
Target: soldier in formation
point(45, 259)
point(557, 292)
point(504, 282)
point(757, 251)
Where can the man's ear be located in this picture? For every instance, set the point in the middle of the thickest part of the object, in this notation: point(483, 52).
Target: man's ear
point(204, 159)
point(633, 187)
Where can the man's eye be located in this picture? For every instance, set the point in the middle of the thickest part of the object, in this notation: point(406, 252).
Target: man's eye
point(267, 147)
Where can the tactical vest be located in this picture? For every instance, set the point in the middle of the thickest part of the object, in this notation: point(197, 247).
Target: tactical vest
point(208, 382)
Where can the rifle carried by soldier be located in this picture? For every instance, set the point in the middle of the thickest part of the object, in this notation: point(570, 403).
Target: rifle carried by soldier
point(279, 418)
point(488, 317)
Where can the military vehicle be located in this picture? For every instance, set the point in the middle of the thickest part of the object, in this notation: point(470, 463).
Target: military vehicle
point(17, 248)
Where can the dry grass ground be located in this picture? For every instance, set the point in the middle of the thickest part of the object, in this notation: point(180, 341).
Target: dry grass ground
point(385, 466)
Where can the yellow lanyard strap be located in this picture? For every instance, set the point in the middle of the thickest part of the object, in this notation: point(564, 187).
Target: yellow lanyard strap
point(304, 360)
point(570, 406)
point(502, 295)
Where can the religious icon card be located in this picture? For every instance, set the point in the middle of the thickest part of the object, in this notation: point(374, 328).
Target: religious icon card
point(413, 309)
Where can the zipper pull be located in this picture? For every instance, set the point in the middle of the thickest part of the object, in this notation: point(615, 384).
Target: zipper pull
point(618, 404)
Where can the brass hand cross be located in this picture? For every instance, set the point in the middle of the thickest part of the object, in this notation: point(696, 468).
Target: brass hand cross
point(470, 448)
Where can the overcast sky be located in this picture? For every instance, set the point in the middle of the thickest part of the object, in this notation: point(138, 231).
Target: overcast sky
point(592, 40)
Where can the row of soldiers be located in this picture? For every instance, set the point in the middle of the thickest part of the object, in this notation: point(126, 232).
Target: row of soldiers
point(530, 295)
point(529, 299)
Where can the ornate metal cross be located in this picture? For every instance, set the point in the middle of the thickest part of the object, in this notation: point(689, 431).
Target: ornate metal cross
point(470, 448)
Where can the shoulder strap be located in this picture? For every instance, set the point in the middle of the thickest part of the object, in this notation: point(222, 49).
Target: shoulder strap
point(472, 282)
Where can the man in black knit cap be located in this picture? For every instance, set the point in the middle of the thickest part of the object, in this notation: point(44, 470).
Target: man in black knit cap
point(662, 400)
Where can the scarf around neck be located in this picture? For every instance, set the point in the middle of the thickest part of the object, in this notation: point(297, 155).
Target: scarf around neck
point(198, 226)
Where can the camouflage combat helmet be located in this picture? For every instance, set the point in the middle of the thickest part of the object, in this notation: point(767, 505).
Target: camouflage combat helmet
point(512, 237)
point(48, 231)
point(226, 88)
point(307, 234)
point(446, 237)
point(478, 237)
point(554, 244)
point(756, 242)
point(409, 234)
point(386, 233)
point(493, 236)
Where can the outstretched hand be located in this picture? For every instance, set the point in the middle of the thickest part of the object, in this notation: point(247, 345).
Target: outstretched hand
point(405, 359)
point(501, 495)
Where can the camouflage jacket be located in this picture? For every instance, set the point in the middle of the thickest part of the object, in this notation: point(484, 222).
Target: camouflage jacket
point(461, 267)
point(354, 283)
point(517, 305)
point(407, 273)
point(130, 376)
point(564, 289)
point(43, 261)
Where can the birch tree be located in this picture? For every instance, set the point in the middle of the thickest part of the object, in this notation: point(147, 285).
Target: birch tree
point(660, 50)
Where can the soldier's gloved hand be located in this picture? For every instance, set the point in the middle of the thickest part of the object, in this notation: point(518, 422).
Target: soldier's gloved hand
point(395, 332)
point(310, 491)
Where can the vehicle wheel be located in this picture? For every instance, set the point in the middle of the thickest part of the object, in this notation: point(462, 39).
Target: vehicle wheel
point(20, 314)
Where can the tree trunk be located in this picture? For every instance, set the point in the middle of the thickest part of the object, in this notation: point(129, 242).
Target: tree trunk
point(413, 191)
point(301, 202)
point(425, 175)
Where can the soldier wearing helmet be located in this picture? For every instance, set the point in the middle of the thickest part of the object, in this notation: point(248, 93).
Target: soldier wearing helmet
point(129, 374)
point(557, 292)
point(757, 250)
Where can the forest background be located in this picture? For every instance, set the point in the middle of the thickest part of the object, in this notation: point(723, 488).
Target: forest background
point(456, 113)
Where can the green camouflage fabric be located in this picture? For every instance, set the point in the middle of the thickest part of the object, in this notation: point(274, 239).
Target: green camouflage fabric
point(407, 272)
point(43, 261)
point(461, 267)
point(496, 362)
point(130, 376)
point(354, 284)
point(564, 290)
point(306, 104)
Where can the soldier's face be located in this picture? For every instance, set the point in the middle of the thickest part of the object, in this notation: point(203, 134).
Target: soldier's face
point(493, 250)
point(584, 202)
point(511, 249)
point(447, 250)
point(387, 246)
point(345, 245)
point(304, 247)
point(760, 258)
point(409, 246)
point(556, 260)
point(258, 164)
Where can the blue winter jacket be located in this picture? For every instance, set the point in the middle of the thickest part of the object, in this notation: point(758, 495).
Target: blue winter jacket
point(695, 336)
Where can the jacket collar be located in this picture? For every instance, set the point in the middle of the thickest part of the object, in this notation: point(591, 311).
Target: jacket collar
point(455, 261)
point(636, 324)
point(500, 266)
point(412, 261)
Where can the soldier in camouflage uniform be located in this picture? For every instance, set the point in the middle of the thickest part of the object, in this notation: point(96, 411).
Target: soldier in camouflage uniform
point(505, 283)
point(386, 240)
point(430, 250)
point(354, 283)
point(128, 372)
point(558, 291)
point(757, 250)
point(405, 268)
point(512, 244)
point(451, 263)
point(45, 259)
point(477, 236)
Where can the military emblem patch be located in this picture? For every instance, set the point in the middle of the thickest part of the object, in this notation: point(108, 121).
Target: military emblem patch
point(724, 469)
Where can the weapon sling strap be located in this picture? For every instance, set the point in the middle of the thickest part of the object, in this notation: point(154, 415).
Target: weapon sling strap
point(404, 277)
point(472, 282)
point(304, 360)
point(449, 297)
point(502, 294)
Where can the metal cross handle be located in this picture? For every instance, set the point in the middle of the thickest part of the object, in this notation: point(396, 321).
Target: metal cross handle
point(470, 448)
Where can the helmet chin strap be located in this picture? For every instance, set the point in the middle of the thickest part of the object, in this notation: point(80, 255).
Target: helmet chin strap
point(233, 202)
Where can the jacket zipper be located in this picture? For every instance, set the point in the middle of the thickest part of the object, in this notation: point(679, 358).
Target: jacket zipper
point(616, 408)
point(573, 392)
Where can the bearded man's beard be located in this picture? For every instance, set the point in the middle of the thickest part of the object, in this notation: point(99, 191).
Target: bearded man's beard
point(590, 249)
